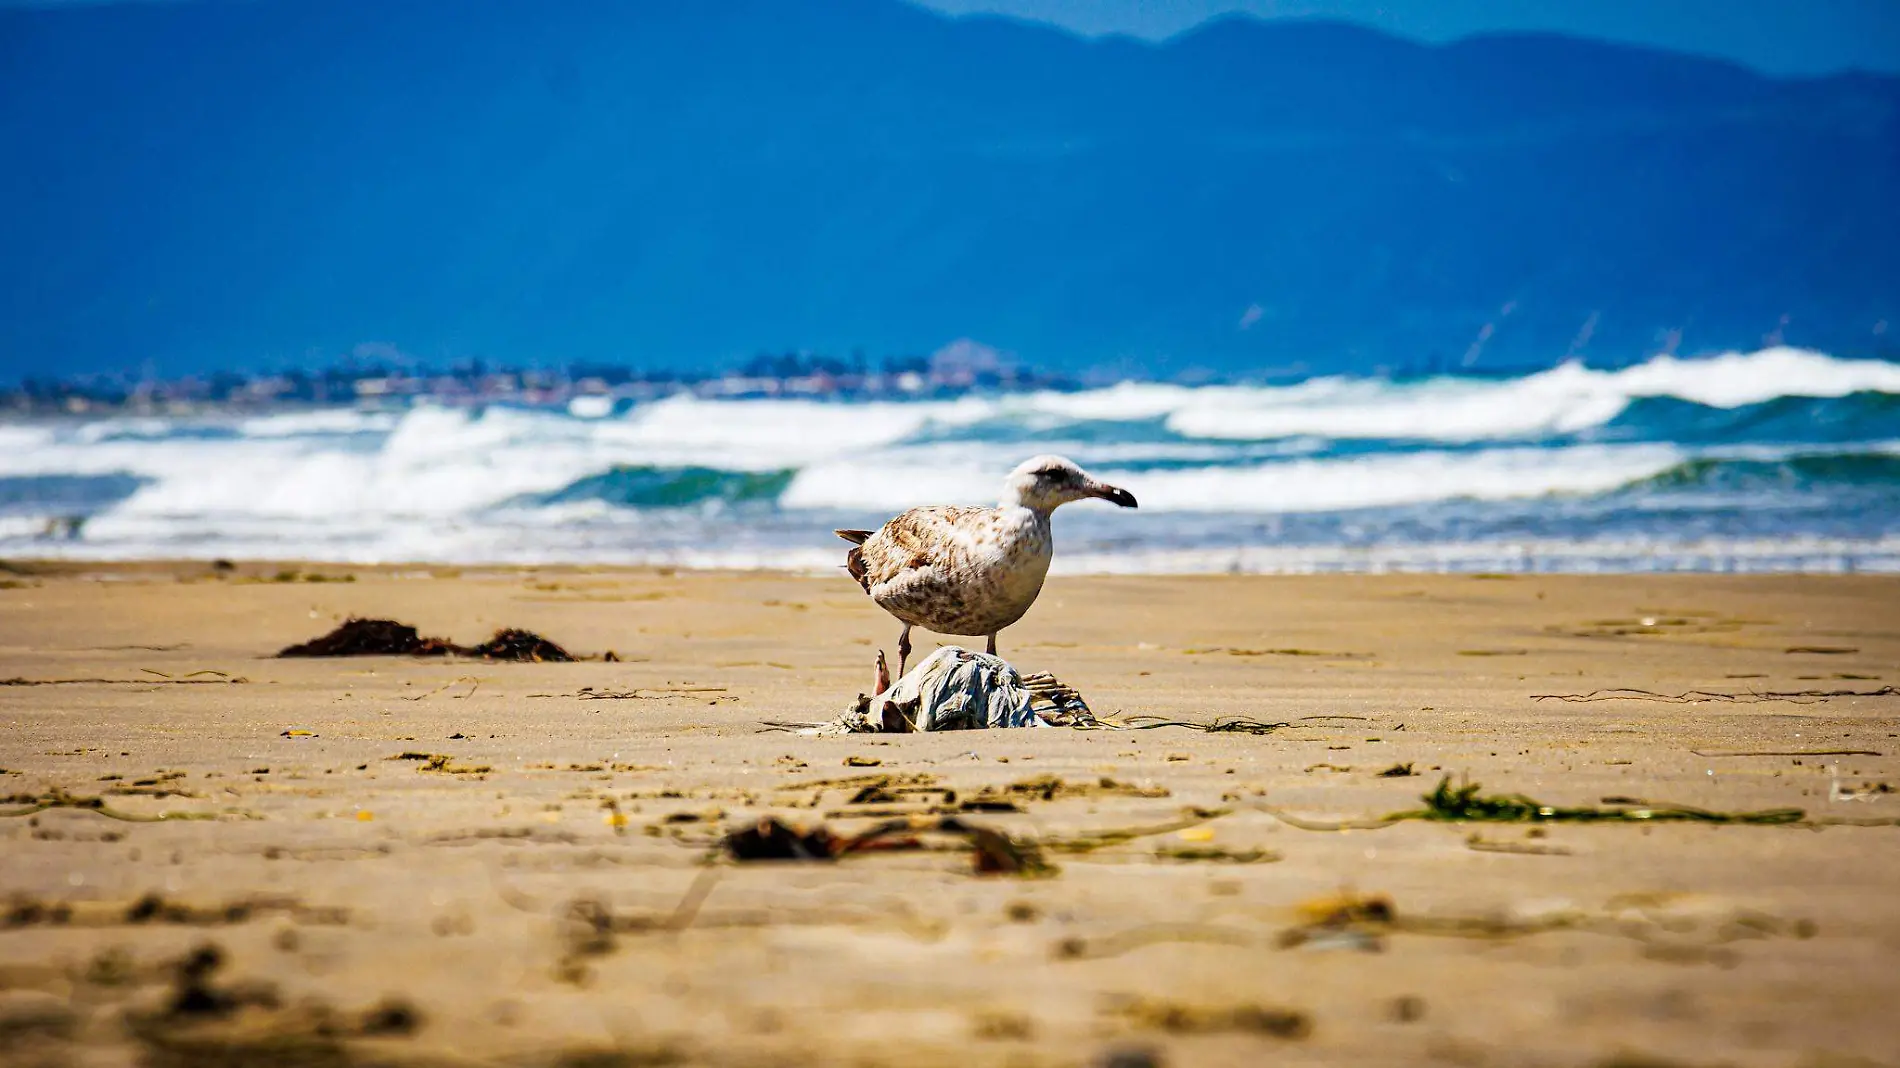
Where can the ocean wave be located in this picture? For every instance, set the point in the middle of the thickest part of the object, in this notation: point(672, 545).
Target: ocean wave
point(65, 494)
point(1564, 400)
point(1859, 416)
point(631, 486)
point(1791, 473)
point(1779, 441)
point(1297, 485)
point(318, 422)
point(1736, 395)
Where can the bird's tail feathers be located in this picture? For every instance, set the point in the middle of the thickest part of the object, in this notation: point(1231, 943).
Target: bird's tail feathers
point(855, 537)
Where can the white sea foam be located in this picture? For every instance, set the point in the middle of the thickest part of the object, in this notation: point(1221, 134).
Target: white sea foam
point(318, 421)
point(1289, 486)
point(1563, 400)
point(448, 483)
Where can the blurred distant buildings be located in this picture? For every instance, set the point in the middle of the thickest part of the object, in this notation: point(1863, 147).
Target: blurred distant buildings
point(963, 366)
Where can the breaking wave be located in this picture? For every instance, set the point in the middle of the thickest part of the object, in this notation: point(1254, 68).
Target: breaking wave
point(1748, 448)
point(1819, 471)
point(630, 486)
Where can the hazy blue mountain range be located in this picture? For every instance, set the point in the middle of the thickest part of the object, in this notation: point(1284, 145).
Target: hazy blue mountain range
point(683, 182)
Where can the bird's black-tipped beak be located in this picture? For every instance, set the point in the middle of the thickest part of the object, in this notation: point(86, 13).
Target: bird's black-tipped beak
point(1114, 494)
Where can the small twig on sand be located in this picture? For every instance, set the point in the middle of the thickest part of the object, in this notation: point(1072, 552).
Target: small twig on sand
point(649, 693)
point(1696, 696)
point(58, 798)
point(1781, 752)
point(642, 693)
point(161, 680)
point(473, 685)
point(1222, 725)
point(1151, 935)
point(1094, 840)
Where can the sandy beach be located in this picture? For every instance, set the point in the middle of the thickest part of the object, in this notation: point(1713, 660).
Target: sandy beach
point(448, 861)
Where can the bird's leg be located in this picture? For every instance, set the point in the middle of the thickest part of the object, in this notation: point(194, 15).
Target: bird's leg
point(903, 649)
point(992, 649)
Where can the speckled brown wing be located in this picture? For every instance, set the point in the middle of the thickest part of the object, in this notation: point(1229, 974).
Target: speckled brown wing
point(911, 564)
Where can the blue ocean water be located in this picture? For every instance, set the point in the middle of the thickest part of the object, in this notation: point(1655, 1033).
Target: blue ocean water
point(1773, 460)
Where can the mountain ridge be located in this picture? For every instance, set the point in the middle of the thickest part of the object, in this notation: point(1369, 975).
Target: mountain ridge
point(676, 184)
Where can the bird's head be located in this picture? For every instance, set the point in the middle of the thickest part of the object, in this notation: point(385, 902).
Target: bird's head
point(1044, 482)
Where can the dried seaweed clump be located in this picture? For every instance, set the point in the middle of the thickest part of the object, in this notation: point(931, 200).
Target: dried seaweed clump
point(1465, 803)
point(372, 637)
point(386, 637)
point(523, 645)
point(992, 852)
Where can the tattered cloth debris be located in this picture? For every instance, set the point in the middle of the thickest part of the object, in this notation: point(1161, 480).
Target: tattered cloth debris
point(955, 689)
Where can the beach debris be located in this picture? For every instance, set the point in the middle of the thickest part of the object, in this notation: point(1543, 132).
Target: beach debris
point(1465, 804)
point(1479, 843)
point(293, 575)
point(1783, 752)
point(927, 797)
point(648, 693)
point(522, 645)
point(1055, 787)
point(771, 839)
point(442, 762)
point(387, 637)
point(371, 637)
point(57, 797)
point(992, 852)
point(153, 786)
point(473, 685)
point(1680, 928)
point(1130, 1057)
point(1002, 1025)
point(194, 995)
point(1691, 697)
point(159, 679)
point(957, 689)
point(1342, 921)
point(206, 1020)
point(1658, 623)
point(1867, 791)
point(1218, 854)
point(1181, 1018)
point(1276, 652)
point(1398, 771)
point(1091, 841)
point(1221, 725)
point(154, 909)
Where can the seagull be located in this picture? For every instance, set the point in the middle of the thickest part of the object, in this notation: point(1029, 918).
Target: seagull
point(958, 570)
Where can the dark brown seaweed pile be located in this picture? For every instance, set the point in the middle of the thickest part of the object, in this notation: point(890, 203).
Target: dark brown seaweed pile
point(525, 645)
point(386, 637)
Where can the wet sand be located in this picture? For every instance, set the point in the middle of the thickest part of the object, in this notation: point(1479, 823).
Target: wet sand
point(532, 887)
